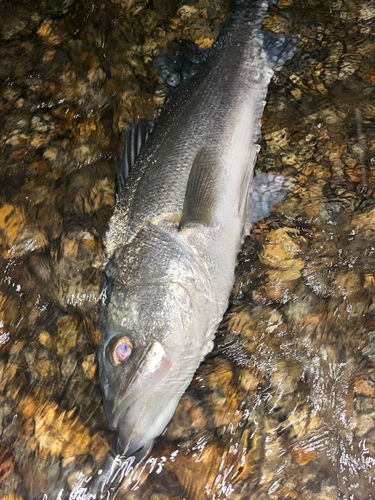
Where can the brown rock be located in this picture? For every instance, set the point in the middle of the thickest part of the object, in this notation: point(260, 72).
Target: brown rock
point(6, 463)
point(204, 42)
point(99, 447)
point(40, 166)
point(93, 334)
point(30, 240)
point(278, 289)
point(226, 410)
point(100, 195)
point(361, 387)
point(204, 470)
point(95, 75)
point(250, 380)
point(47, 369)
point(49, 430)
point(48, 34)
point(282, 251)
point(303, 456)
point(45, 339)
point(18, 154)
point(12, 222)
point(66, 335)
point(89, 366)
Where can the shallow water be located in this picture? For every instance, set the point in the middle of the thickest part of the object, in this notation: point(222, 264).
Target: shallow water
point(284, 407)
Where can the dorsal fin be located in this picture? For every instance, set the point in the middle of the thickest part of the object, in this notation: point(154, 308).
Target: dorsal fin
point(136, 135)
point(202, 190)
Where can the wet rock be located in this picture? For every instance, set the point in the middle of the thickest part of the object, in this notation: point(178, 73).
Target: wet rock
point(45, 339)
point(68, 364)
point(66, 336)
point(30, 240)
point(48, 33)
point(194, 23)
point(250, 380)
point(188, 420)
point(281, 252)
point(197, 470)
point(12, 222)
point(6, 463)
point(73, 478)
point(287, 376)
point(275, 290)
point(49, 430)
point(89, 366)
point(79, 268)
point(84, 397)
point(38, 474)
point(12, 496)
point(99, 447)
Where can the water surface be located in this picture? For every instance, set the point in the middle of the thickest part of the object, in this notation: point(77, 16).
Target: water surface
point(284, 406)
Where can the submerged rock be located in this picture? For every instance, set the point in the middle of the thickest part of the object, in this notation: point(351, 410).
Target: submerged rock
point(284, 407)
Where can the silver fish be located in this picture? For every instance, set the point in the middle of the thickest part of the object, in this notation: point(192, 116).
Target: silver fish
point(177, 227)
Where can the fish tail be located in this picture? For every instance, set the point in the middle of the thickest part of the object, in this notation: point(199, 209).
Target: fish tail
point(239, 6)
point(250, 13)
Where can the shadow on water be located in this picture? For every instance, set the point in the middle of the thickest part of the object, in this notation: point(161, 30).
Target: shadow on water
point(284, 407)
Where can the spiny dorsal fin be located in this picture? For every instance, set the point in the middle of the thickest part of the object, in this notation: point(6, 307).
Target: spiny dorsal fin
point(202, 191)
point(136, 135)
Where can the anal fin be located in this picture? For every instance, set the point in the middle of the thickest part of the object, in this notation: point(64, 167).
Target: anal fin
point(266, 191)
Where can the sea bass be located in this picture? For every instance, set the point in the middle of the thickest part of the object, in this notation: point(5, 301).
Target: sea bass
point(177, 227)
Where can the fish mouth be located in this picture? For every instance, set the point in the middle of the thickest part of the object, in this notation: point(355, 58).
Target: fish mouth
point(152, 368)
point(131, 436)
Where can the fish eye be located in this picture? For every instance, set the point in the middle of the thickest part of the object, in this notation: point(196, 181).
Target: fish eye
point(120, 351)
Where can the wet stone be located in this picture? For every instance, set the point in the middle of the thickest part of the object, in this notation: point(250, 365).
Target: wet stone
point(65, 338)
point(50, 431)
point(6, 463)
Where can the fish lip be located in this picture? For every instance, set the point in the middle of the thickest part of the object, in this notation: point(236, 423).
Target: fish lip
point(137, 448)
point(119, 412)
point(158, 362)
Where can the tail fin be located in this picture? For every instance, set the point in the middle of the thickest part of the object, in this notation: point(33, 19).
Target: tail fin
point(279, 47)
point(238, 7)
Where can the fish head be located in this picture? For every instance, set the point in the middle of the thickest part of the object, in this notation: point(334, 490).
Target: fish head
point(144, 363)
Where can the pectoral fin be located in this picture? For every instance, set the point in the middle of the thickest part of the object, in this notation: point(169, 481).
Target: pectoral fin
point(202, 190)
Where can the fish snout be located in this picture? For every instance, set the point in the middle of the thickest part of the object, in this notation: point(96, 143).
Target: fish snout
point(134, 412)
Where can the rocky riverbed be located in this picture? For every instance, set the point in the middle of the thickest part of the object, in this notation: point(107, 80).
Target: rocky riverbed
point(284, 407)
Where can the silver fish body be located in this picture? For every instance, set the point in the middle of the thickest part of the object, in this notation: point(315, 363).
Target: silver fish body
point(177, 227)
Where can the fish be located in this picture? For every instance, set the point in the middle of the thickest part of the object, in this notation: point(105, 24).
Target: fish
point(179, 222)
